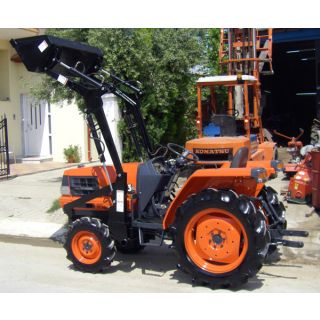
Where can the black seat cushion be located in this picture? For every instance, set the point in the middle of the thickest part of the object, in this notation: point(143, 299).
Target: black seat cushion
point(240, 159)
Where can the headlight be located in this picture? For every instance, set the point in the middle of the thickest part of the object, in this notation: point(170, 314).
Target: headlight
point(260, 174)
point(277, 165)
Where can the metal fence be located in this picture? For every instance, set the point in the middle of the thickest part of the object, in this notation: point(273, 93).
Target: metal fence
point(4, 147)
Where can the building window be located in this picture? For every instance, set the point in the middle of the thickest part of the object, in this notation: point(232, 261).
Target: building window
point(4, 76)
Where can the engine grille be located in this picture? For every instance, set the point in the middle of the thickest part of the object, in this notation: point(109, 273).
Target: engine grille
point(83, 185)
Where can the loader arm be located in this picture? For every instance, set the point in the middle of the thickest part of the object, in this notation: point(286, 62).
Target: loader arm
point(78, 67)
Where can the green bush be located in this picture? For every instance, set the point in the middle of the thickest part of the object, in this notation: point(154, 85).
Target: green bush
point(54, 207)
point(72, 154)
point(166, 61)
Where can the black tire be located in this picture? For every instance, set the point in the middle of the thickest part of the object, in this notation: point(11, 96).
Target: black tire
point(130, 247)
point(277, 218)
point(241, 209)
point(97, 253)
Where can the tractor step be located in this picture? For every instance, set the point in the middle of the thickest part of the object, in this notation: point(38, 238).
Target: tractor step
point(147, 225)
point(157, 242)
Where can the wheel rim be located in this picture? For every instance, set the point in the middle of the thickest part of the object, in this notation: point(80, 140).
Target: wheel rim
point(215, 240)
point(86, 247)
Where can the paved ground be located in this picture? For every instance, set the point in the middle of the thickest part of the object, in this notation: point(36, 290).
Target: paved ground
point(25, 201)
point(32, 268)
point(20, 169)
point(28, 197)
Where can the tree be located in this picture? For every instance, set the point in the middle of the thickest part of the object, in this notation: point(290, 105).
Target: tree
point(163, 61)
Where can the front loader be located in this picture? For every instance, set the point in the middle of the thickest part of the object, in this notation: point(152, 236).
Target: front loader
point(222, 222)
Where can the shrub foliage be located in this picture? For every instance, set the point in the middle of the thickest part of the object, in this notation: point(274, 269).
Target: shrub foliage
point(165, 61)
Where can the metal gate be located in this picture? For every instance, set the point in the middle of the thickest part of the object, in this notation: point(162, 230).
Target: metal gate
point(4, 148)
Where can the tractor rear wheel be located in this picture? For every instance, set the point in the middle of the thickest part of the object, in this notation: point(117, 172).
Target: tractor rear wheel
point(89, 245)
point(221, 239)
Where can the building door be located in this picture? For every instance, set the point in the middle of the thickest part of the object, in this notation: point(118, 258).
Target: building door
point(35, 127)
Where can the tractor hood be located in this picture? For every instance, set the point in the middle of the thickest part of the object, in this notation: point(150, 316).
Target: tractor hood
point(217, 148)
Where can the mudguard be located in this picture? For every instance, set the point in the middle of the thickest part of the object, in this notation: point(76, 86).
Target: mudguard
point(272, 166)
point(248, 181)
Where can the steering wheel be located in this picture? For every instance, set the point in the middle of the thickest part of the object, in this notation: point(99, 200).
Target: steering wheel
point(182, 152)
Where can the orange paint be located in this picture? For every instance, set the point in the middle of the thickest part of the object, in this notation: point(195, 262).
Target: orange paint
point(102, 203)
point(237, 179)
point(86, 247)
point(215, 240)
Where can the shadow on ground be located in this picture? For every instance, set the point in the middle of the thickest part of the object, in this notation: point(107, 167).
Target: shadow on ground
point(53, 180)
point(160, 262)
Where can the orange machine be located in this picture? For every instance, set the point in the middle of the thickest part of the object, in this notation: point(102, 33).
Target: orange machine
point(304, 186)
point(225, 126)
point(294, 147)
point(222, 222)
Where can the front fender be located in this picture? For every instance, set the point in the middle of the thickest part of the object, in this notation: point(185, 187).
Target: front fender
point(241, 180)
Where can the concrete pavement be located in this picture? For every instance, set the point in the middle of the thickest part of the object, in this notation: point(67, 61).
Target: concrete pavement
point(26, 197)
point(24, 204)
point(32, 268)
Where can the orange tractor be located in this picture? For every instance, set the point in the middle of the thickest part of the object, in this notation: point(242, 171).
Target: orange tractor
point(226, 126)
point(222, 222)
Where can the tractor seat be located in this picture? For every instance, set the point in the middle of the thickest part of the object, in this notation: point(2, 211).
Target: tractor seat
point(240, 159)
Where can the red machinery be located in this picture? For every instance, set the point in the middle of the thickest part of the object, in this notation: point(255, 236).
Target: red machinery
point(304, 187)
point(300, 188)
point(294, 147)
point(315, 154)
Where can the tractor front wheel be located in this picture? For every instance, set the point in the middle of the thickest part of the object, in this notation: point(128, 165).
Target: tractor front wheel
point(221, 239)
point(89, 245)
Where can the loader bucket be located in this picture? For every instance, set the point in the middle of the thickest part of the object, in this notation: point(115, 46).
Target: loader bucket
point(40, 54)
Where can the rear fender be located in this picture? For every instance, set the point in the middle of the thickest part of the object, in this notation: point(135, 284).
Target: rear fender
point(271, 166)
point(241, 180)
point(263, 164)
